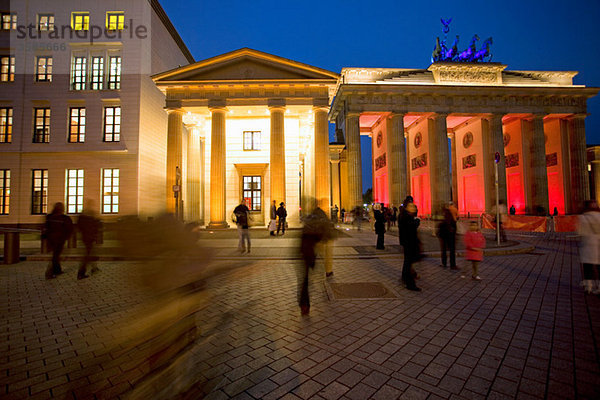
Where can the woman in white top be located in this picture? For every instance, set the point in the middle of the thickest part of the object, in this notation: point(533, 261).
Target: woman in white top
point(589, 251)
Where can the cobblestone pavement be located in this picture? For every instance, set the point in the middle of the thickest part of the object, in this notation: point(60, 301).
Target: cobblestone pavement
point(525, 331)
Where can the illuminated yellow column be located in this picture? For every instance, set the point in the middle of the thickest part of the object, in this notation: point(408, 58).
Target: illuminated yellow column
point(538, 171)
point(217, 169)
point(579, 174)
point(322, 180)
point(193, 173)
point(440, 163)
point(344, 182)
point(354, 160)
point(174, 156)
point(277, 164)
point(397, 159)
point(335, 182)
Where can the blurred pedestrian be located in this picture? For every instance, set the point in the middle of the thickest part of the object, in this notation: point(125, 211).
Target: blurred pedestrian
point(242, 217)
point(513, 211)
point(57, 229)
point(89, 226)
point(357, 216)
point(502, 213)
point(317, 228)
point(273, 221)
point(282, 215)
point(394, 215)
point(474, 244)
point(446, 232)
point(409, 240)
point(343, 215)
point(589, 251)
point(379, 216)
point(334, 214)
point(387, 212)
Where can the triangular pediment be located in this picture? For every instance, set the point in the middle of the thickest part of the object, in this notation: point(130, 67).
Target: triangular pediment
point(245, 64)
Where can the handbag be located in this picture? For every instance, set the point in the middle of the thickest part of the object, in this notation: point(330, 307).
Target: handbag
point(272, 226)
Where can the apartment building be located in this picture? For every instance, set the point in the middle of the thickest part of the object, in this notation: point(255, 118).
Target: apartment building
point(80, 117)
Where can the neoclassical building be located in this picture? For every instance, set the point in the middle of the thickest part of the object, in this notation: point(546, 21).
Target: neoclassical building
point(246, 125)
point(436, 133)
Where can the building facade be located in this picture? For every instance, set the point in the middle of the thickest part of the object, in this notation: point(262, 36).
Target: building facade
point(80, 117)
point(437, 134)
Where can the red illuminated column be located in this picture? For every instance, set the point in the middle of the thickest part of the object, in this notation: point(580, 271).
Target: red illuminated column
point(217, 168)
point(440, 163)
point(354, 159)
point(539, 174)
point(493, 142)
point(454, 169)
point(397, 160)
point(579, 175)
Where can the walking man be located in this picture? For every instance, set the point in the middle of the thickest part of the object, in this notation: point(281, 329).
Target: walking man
point(57, 230)
point(241, 219)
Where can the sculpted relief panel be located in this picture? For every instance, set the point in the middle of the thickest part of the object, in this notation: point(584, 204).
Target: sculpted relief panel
point(468, 76)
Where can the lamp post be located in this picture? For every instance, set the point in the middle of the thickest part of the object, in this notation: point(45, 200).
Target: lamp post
point(498, 222)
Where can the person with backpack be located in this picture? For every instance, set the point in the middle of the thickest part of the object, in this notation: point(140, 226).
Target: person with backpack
point(242, 216)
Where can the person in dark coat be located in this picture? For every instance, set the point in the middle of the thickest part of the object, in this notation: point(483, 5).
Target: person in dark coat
point(273, 217)
point(242, 216)
point(57, 229)
point(89, 227)
point(379, 216)
point(282, 215)
point(409, 240)
point(447, 235)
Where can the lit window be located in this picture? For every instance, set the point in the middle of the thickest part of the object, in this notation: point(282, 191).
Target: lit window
point(114, 73)
point(79, 69)
point(110, 191)
point(251, 140)
point(7, 68)
point(112, 124)
point(74, 191)
point(115, 20)
point(4, 191)
point(39, 191)
point(252, 192)
point(6, 122)
point(97, 73)
point(9, 21)
point(77, 125)
point(80, 21)
point(45, 22)
point(43, 70)
point(41, 132)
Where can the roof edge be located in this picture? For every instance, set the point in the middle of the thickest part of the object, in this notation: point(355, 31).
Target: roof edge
point(160, 12)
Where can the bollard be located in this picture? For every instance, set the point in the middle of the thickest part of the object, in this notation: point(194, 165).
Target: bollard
point(11, 247)
point(72, 241)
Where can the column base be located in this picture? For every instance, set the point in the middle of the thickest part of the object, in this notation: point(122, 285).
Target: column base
point(217, 225)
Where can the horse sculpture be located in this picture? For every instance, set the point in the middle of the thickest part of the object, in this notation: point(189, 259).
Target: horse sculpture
point(484, 51)
point(468, 54)
point(437, 51)
point(451, 53)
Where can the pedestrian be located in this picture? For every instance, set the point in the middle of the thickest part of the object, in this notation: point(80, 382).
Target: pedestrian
point(388, 216)
point(446, 233)
point(317, 228)
point(273, 221)
point(357, 216)
point(394, 215)
point(513, 211)
point(502, 218)
point(57, 229)
point(242, 217)
point(379, 226)
point(343, 215)
point(334, 214)
point(89, 227)
point(474, 244)
point(409, 240)
point(589, 251)
point(282, 215)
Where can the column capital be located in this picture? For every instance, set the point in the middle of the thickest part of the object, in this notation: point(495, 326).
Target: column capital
point(320, 108)
point(397, 114)
point(276, 104)
point(352, 114)
point(216, 104)
point(538, 115)
point(493, 116)
point(174, 110)
point(577, 116)
point(438, 115)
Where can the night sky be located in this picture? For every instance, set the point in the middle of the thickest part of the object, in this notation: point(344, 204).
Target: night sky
point(528, 35)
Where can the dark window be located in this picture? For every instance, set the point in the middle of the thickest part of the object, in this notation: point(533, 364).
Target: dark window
point(252, 192)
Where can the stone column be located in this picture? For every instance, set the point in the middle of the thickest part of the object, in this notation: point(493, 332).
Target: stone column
point(596, 179)
point(397, 159)
point(454, 169)
point(344, 182)
point(526, 152)
point(322, 179)
point(538, 165)
point(193, 173)
point(277, 162)
point(579, 174)
point(217, 169)
point(335, 183)
point(354, 160)
point(493, 142)
point(202, 215)
point(408, 167)
point(566, 164)
point(174, 156)
point(439, 164)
